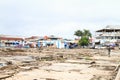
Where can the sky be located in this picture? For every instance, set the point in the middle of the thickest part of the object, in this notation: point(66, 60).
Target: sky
point(56, 17)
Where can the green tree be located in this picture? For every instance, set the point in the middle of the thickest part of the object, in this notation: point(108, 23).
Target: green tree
point(84, 41)
point(85, 34)
point(78, 33)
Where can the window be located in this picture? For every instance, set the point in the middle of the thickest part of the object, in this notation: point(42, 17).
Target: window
point(118, 37)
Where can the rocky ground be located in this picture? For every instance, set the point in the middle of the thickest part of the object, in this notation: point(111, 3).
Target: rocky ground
point(58, 64)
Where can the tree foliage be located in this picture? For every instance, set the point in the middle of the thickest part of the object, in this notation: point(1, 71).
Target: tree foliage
point(84, 41)
point(78, 33)
point(85, 34)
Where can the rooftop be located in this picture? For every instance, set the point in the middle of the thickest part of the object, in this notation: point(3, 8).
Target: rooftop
point(110, 28)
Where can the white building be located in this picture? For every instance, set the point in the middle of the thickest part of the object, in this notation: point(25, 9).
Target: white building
point(109, 34)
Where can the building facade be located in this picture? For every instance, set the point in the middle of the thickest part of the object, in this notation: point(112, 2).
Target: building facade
point(9, 41)
point(109, 34)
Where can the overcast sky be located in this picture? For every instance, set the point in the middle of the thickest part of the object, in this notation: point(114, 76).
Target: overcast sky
point(56, 17)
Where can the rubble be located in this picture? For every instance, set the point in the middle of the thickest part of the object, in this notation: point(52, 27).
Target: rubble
point(58, 64)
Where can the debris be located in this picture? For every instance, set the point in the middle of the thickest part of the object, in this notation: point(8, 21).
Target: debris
point(52, 63)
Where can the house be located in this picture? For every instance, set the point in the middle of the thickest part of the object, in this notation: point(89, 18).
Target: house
point(32, 41)
point(51, 41)
point(109, 34)
point(33, 38)
point(46, 41)
point(9, 41)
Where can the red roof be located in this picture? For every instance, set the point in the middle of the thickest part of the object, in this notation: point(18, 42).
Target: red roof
point(32, 37)
point(10, 38)
point(45, 37)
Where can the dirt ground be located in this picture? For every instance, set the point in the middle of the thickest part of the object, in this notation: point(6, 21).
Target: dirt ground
point(58, 64)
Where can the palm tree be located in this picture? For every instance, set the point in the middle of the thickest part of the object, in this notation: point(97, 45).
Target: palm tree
point(85, 34)
point(78, 33)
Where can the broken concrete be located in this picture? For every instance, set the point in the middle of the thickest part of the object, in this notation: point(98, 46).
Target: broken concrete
point(58, 64)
